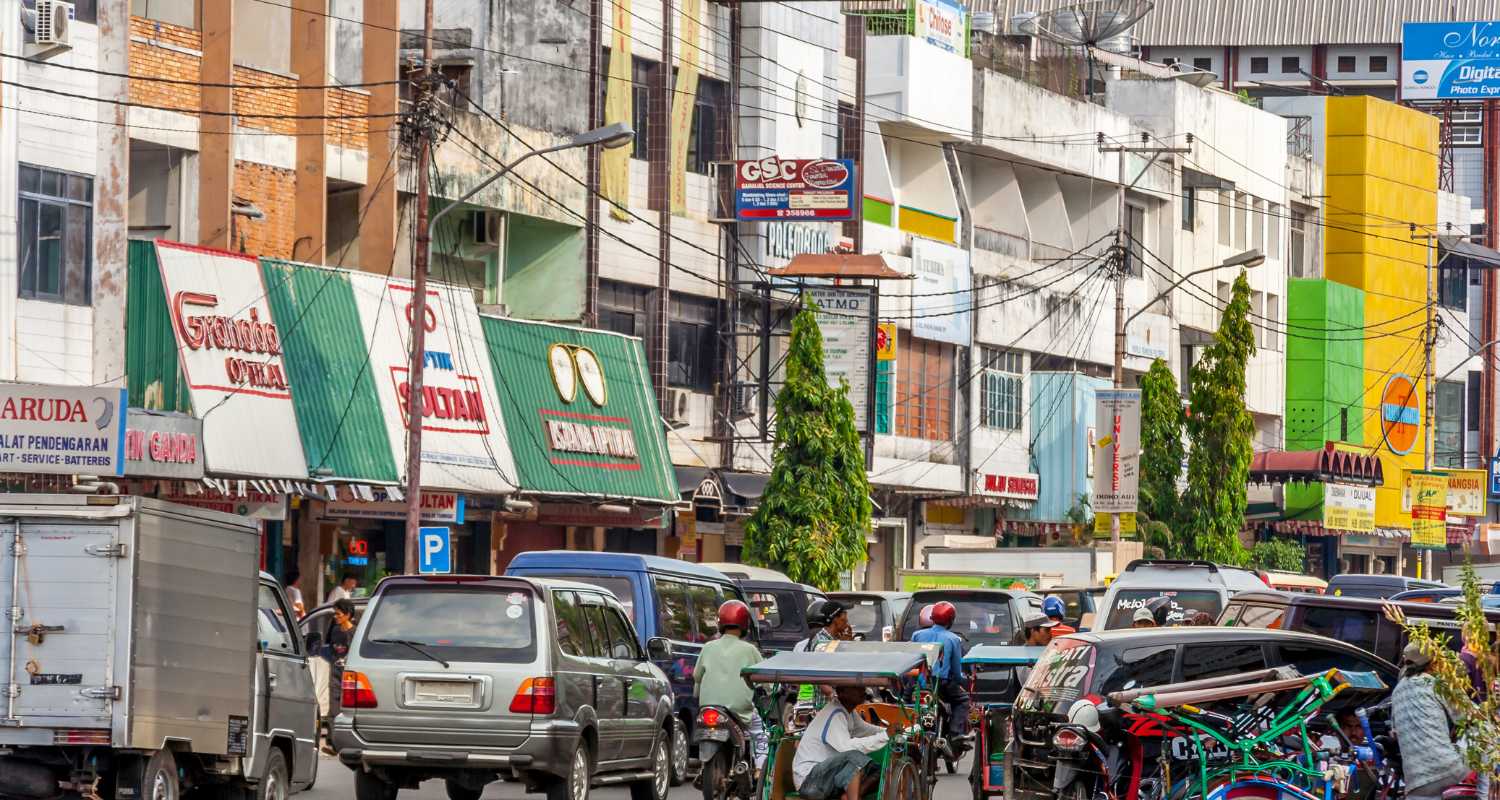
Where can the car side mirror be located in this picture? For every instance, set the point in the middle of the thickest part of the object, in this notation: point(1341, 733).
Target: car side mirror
point(658, 649)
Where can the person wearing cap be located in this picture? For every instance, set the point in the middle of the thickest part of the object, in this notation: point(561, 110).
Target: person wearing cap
point(1423, 725)
point(827, 620)
point(949, 670)
point(1037, 630)
point(1143, 618)
point(1057, 611)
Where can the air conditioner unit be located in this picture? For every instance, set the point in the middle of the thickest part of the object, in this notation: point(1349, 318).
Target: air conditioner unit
point(678, 405)
point(484, 228)
point(746, 400)
point(54, 24)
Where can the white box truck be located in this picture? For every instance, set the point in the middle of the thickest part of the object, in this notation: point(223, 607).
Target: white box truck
point(1076, 567)
point(147, 655)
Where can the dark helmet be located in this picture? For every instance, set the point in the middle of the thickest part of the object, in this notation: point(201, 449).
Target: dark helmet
point(821, 613)
point(924, 617)
point(734, 614)
point(943, 613)
point(1054, 607)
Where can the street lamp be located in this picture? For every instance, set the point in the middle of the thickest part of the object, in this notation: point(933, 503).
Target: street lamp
point(611, 136)
point(1249, 259)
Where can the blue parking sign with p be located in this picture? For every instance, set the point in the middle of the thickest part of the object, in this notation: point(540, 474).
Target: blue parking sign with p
point(434, 551)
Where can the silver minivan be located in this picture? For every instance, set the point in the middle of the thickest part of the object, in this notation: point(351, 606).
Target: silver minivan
point(470, 679)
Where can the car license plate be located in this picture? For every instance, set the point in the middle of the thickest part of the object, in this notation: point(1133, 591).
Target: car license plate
point(711, 735)
point(446, 693)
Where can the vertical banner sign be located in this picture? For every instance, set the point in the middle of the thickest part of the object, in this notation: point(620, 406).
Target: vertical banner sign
point(1117, 456)
point(1429, 510)
point(230, 351)
point(940, 303)
point(614, 162)
point(683, 99)
point(885, 374)
point(1450, 60)
point(845, 318)
point(463, 433)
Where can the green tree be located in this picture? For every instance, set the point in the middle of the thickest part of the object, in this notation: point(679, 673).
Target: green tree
point(812, 519)
point(1161, 443)
point(1219, 429)
point(1282, 555)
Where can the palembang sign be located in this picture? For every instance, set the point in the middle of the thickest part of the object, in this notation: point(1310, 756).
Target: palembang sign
point(229, 348)
point(62, 430)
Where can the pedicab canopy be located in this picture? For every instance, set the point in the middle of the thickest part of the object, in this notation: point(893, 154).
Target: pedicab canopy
point(995, 655)
point(928, 650)
point(875, 670)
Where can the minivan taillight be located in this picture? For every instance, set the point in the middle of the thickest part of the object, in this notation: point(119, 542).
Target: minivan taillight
point(357, 691)
point(536, 696)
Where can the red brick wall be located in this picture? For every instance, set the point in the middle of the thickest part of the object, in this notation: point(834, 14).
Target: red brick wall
point(271, 190)
point(280, 101)
point(159, 62)
point(353, 132)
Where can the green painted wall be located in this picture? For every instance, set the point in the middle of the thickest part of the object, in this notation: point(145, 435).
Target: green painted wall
point(543, 269)
point(1324, 363)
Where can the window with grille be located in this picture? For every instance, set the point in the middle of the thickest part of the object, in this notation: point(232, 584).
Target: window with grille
point(1290, 65)
point(1453, 282)
point(1259, 65)
point(1448, 447)
point(924, 389)
point(1000, 388)
point(1347, 64)
point(1379, 64)
point(1203, 64)
point(54, 235)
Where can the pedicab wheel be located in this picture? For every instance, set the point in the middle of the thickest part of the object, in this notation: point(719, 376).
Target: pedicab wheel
point(902, 781)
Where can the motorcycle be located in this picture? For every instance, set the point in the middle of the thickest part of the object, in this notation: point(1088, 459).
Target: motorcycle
point(1085, 759)
point(724, 749)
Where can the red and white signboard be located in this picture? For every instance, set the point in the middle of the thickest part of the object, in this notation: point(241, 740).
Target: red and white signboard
point(1011, 487)
point(230, 351)
point(463, 434)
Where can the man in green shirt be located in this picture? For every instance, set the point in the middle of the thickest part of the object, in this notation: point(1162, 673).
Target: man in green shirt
point(717, 680)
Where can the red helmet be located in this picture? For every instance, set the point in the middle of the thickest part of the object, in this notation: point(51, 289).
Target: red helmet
point(924, 617)
point(943, 613)
point(734, 614)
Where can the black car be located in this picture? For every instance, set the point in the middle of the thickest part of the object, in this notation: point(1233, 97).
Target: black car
point(1376, 587)
point(874, 615)
point(1100, 663)
point(778, 604)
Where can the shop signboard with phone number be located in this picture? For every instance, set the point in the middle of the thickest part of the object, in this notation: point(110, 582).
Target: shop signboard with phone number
point(803, 188)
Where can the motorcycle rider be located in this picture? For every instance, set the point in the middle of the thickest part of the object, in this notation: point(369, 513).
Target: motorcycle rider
point(924, 617)
point(1057, 611)
point(718, 679)
point(1423, 727)
point(949, 669)
point(826, 620)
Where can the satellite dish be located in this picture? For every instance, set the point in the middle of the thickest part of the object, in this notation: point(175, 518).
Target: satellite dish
point(1104, 24)
point(1189, 74)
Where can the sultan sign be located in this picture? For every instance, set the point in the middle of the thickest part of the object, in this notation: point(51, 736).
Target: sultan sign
point(805, 188)
point(62, 430)
point(1450, 60)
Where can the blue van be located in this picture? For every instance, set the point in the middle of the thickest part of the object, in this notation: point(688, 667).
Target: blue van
point(675, 600)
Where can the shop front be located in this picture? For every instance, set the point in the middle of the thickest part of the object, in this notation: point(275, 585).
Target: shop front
point(1325, 500)
point(589, 446)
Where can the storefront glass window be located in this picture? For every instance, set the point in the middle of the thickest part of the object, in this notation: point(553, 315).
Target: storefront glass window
point(675, 619)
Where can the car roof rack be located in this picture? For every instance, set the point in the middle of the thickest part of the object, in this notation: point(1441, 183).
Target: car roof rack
point(1170, 562)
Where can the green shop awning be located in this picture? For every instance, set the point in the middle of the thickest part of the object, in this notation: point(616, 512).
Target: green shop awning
point(580, 412)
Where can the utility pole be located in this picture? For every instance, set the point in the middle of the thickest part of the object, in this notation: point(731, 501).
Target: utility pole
point(417, 311)
point(1120, 257)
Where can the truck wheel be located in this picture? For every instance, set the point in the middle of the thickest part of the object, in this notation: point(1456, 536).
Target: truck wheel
point(159, 782)
point(275, 784)
point(575, 784)
point(369, 787)
point(457, 791)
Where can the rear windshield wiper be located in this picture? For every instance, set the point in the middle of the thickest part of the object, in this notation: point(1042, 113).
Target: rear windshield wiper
point(419, 647)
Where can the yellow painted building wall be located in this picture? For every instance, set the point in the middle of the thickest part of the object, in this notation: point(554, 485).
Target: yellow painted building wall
point(1381, 167)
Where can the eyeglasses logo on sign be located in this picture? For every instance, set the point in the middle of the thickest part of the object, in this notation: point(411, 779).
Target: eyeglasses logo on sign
point(573, 366)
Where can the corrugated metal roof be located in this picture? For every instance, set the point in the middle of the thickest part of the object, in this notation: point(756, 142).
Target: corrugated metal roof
point(153, 374)
point(338, 412)
point(531, 401)
point(1270, 22)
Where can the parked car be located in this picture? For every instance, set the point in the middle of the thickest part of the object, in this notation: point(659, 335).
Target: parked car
point(1082, 603)
point(1356, 620)
point(1193, 587)
point(1127, 659)
point(665, 598)
point(466, 678)
point(779, 603)
point(874, 615)
point(1378, 587)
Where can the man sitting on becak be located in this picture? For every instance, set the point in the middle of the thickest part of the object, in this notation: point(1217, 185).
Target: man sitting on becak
point(832, 756)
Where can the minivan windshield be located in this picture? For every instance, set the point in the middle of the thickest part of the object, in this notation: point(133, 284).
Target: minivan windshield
point(462, 622)
point(980, 619)
point(1184, 605)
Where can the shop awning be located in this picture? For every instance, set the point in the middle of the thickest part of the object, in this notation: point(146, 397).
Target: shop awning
point(746, 487)
point(581, 413)
point(1311, 527)
point(1328, 464)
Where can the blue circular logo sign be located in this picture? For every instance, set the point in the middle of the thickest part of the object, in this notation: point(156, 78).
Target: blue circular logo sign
point(1419, 77)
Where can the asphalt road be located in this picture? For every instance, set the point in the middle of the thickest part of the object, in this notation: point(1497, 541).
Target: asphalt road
point(336, 782)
